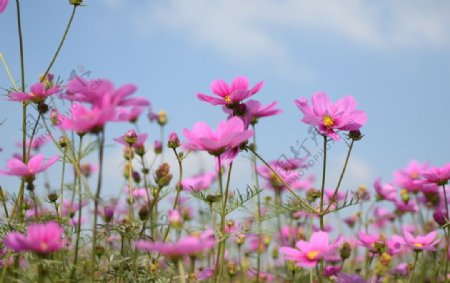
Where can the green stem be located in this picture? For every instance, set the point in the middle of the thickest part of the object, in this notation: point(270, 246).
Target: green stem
point(175, 203)
point(448, 233)
point(216, 268)
point(258, 207)
point(181, 271)
point(322, 196)
point(340, 177)
point(414, 267)
point(96, 203)
point(61, 189)
point(61, 43)
point(77, 184)
point(130, 186)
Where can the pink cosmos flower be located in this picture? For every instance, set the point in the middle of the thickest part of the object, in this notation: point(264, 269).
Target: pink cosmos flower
point(84, 120)
point(3, 4)
point(99, 92)
point(230, 94)
point(130, 115)
point(385, 191)
point(330, 117)
point(437, 175)
point(187, 245)
point(36, 143)
point(407, 177)
point(199, 182)
point(308, 254)
point(28, 171)
point(421, 242)
point(369, 240)
point(229, 134)
point(255, 110)
point(38, 93)
point(40, 238)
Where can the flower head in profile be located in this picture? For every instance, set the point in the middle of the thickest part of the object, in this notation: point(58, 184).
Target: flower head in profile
point(40, 238)
point(256, 110)
point(408, 178)
point(188, 245)
point(28, 171)
point(330, 117)
point(84, 120)
point(308, 254)
point(3, 4)
point(38, 93)
point(385, 191)
point(437, 175)
point(139, 140)
point(230, 94)
point(199, 182)
point(422, 242)
point(229, 134)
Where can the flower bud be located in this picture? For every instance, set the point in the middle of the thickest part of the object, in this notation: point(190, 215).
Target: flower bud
point(331, 270)
point(240, 239)
point(439, 217)
point(42, 108)
point(140, 150)
point(231, 268)
point(162, 175)
point(63, 142)
point(162, 118)
point(345, 251)
point(385, 259)
point(108, 213)
point(130, 137)
point(52, 197)
point(174, 141)
point(136, 177)
point(355, 135)
point(54, 117)
point(76, 2)
point(157, 147)
point(143, 213)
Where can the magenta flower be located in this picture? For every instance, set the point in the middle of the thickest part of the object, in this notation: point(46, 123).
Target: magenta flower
point(308, 254)
point(101, 92)
point(40, 238)
point(36, 143)
point(407, 178)
point(369, 241)
point(130, 115)
point(38, 93)
point(330, 117)
point(28, 171)
point(199, 182)
point(421, 242)
point(188, 245)
point(3, 4)
point(255, 110)
point(230, 94)
point(84, 120)
point(385, 191)
point(229, 134)
point(437, 175)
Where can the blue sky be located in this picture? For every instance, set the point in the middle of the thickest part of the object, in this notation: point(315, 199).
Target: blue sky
point(392, 56)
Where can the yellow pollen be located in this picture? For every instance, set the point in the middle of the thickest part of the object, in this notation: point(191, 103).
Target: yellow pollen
point(312, 255)
point(419, 245)
point(228, 99)
point(44, 246)
point(328, 121)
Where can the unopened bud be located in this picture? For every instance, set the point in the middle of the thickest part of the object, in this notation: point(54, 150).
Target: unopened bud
point(355, 135)
point(52, 197)
point(345, 251)
point(162, 118)
point(143, 213)
point(157, 147)
point(174, 141)
point(130, 137)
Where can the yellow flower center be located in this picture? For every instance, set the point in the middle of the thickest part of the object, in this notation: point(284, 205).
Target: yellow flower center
point(328, 121)
point(228, 99)
point(312, 255)
point(418, 245)
point(44, 246)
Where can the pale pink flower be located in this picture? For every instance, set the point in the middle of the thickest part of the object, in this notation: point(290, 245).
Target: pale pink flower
point(38, 93)
point(40, 238)
point(139, 142)
point(329, 117)
point(229, 134)
point(188, 245)
point(437, 175)
point(28, 171)
point(36, 143)
point(84, 120)
point(308, 254)
point(230, 94)
point(199, 182)
point(422, 242)
point(385, 191)
point(407, 178)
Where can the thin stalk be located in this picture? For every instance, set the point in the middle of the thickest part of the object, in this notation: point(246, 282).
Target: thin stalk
point(2, 195)
point(216, 268)
point(181, 271)
point(61, 189)
point(322, 196)
point(130, 186)
point(96, 202)
point(341, 176)
point(222, 222)
point(175, 203)
point(61, 43)
point(413, 267)
point(258, 207)
point(77, 182)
